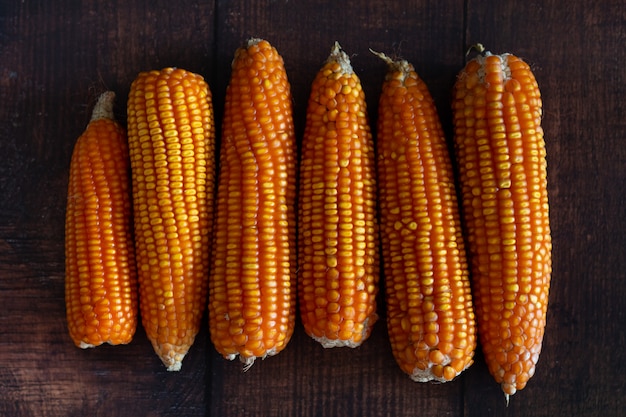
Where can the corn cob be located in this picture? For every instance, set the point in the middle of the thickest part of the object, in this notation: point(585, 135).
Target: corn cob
point(502, 162)
point(338, 247)
point(430, 317)
point(171, 137)
point(252, 282)
point(100, 278)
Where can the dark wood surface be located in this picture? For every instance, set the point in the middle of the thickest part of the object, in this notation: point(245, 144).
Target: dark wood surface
point(55, 57)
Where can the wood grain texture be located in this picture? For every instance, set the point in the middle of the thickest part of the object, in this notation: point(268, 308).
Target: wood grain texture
point(55, 57)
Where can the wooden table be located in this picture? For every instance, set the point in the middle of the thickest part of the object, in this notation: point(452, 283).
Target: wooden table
point(55, 57)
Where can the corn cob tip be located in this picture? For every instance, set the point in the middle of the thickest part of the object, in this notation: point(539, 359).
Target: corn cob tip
point(338, 55)
point(482, 63)
point(400, 66)
point(428, 375)
point(332, 343)
point(380, 55)
point(246, 45)
point(252, 41)
point(171, 355)
point(84, 345)
point(104, 106)
point(478, 47)
point(247, 362)
point(508, 390)
point(387, 59)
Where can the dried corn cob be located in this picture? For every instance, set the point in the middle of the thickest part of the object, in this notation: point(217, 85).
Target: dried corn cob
point(502, 162)
point(252, 282)
point(100, 278)
point(338, 257)
point(171, 137)
point(430, 317)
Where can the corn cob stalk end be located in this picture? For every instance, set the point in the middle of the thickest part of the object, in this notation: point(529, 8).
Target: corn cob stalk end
point(338, 55)
point(104, 106)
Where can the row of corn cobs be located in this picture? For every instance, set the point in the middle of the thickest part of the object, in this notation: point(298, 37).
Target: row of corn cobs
point(178, 234)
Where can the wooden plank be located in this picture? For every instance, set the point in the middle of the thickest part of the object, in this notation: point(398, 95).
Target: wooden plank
point(56, 58)
point(304, 379)
point(572, 52)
